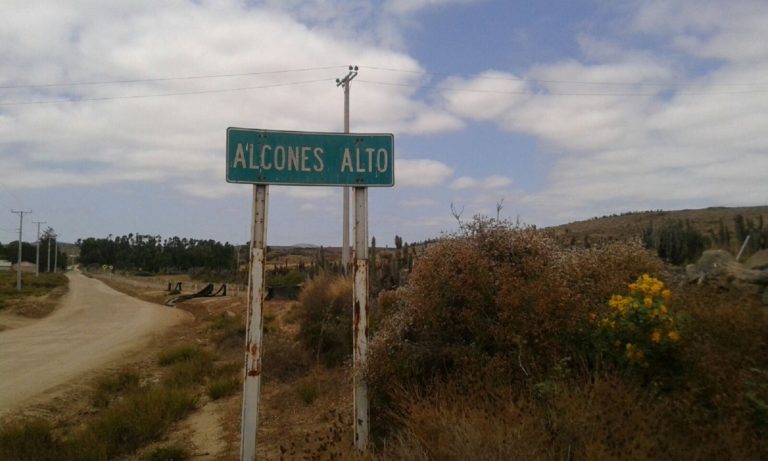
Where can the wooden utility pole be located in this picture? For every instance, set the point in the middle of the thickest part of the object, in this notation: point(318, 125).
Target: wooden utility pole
point(345, 82)
point(37, 248)
point(18, 262)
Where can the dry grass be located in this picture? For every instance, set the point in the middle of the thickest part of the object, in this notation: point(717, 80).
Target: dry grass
point(604, 418)
point(39, 295)
point(325, 306)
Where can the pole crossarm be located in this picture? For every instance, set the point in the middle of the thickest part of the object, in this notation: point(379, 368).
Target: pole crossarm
point(353, 71)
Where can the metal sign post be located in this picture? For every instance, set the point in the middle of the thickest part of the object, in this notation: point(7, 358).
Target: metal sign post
point(262, 157)
point(360, 318)
point(256, 292)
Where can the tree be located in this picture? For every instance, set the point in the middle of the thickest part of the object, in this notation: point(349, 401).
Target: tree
point(675, 241)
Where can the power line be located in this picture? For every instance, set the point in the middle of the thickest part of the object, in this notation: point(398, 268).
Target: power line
point(158, 95)
point(556, 93)
point(373, 82)
point(163, 79)
point(578, 82)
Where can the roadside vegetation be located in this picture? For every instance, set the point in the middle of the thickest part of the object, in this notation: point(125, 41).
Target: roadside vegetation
point(131, 410)
point(496, 342)
point(503, 345)
point(43, 285)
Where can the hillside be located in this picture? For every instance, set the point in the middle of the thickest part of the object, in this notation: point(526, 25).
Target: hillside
point(620, 227)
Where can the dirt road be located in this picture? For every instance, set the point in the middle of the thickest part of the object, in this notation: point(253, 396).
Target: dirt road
point(93, 327)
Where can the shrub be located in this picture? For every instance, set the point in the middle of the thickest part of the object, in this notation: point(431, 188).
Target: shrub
point(167, 454)
point(499, 299)
point(307, 389)
point(108, 386)
point(222, 387)
point(30, 441)
point(189, 365)
point(179, 354)
point(639, 330)
point(229, 330)
point(325, 306)
point(600, 417)
point(283, 358)
point(131, 423)
point(725, 341)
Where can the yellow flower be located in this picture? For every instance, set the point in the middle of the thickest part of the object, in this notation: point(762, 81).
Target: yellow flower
point(673, 336)
point(666, 294)
point(656, 336)
point(663, 309)
point(648, 302)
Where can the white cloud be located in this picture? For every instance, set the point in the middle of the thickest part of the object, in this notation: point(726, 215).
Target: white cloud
point(733, 31)
point(421, 172)
point(489, 182)
point(625, 129)
point(496, 182)
point(463, 182)
point(402, 7)
point(181, 138)
point(304, 193)
point(417, 203)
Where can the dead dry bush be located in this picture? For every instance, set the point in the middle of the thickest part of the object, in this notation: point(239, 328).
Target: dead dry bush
point(284, 359)
point(503, 301)
point(494, 342)
point(725, 354)
point(601, 418)
point(325, 319)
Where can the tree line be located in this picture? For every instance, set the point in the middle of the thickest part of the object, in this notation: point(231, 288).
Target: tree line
point(679, 242)
point(152, 253)
point(10, 252)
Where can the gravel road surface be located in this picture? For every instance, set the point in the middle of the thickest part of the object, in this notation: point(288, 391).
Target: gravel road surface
point(94, 326)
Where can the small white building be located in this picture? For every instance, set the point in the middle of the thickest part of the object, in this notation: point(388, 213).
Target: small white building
point(25, 266)
point(5, 266)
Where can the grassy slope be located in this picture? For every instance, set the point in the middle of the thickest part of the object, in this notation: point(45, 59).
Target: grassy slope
point(629, 225)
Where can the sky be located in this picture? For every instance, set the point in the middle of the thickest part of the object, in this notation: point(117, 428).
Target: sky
point(113, 115)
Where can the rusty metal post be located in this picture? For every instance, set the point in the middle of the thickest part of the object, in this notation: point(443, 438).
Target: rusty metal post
point(360, 318)
point(256, 287)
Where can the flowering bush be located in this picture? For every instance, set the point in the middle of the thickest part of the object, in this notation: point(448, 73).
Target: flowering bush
point(498, 301)
point(638, 329)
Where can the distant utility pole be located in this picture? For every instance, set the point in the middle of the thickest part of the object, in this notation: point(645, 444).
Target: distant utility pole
point(18, 262)
point(37, 248)
point(56, 254)
point(353, 71)
point(50, 236)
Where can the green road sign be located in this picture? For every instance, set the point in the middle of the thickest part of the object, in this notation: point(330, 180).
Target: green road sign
point(310, 159)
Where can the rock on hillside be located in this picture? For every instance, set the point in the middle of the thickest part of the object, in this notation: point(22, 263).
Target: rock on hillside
point(721, 268)
point(758, 260)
